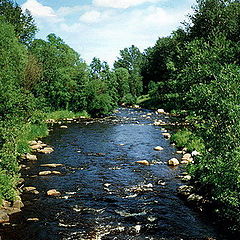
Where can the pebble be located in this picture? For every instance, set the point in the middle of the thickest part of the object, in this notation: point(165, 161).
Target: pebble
point(143, 162)
point(158, 148)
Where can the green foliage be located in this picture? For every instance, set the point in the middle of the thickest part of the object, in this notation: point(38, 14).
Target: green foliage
point(23, 23)
point(57, 115)
point(132, 59)
point(198, 69)
point(187, 139)
point(7, 186)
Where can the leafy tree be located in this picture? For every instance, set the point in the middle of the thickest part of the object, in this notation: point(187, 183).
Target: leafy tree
point(131, 59)
point(64, 73)
point(23, 22)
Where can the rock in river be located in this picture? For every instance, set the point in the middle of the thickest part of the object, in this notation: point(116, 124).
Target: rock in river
point(4, 218)
point(173, 162)
point(30, 157)
point(143, 162)
point(44, 173)
point(53, 192)
point(158, 148)
point(52, 165)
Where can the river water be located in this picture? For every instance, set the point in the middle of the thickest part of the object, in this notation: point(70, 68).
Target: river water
point(104, 193)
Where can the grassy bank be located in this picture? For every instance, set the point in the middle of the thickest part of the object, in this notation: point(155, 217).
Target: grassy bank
point(15, 139)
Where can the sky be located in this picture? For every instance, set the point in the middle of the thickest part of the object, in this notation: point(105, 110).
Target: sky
point(101, 28)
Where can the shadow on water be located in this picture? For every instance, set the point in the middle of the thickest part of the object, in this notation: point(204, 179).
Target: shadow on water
point(105, 194)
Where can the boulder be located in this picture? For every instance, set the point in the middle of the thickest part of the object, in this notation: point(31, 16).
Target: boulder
point(184, 162)
point(186, 178)
point(36, 146)
point(143, 162)
point(157, 123)
point(46, 150)
point(166, 135)
point(160, 111)
point(179, 152)
point(33, 219)
point(33, 143)
point(158, 148)
point(31, 157)
point(53, 192)
point(18, 204)
point(44, 173)
point(194, 198)
point(51, 165)
point(185, 190)
point(173, 162)
point(4, 218)
point(187, 157)
point(29, 189)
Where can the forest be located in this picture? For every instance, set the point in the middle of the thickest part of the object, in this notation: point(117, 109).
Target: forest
point(193, 73)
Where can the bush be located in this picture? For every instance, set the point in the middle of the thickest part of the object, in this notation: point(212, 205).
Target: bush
point(185, 138)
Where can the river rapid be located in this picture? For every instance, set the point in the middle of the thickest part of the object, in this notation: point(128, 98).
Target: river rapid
point(105, 194)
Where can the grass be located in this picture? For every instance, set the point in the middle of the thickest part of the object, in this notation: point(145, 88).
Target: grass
point(30, 132)
point(57, 115)
point(185, 138)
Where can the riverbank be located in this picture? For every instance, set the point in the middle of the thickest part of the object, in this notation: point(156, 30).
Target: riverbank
point(26, 143)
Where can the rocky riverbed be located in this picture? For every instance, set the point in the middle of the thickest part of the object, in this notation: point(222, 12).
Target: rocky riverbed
point(111, 178)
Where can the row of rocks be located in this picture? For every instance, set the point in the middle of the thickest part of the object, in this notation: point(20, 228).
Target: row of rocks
point(37, 147)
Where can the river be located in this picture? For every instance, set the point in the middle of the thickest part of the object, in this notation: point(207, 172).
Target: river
point(104, 193)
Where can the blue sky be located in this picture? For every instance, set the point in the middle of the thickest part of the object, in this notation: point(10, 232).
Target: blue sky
point(100, 28)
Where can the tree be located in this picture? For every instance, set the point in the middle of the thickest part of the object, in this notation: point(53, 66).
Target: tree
point(64, 74)
point(132, 59)
point(23, 22)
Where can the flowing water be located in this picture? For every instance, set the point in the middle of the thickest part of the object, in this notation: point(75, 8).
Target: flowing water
point(104, 193)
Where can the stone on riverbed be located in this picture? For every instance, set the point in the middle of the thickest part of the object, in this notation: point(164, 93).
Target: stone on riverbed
point(33, 219)
point(53, 192)
point(173, 162)
point(4, 218)
point(44, 173)
point(30, 157)
point(160, 111)
point(63, 126)
point(35, 147)
point(46, 150)
point(51, 165)
point(186, 178)
point(194, 198)
point(166, 135)
point(29, 189)
point(143, 162)
point(158, 148)
point(185, 190)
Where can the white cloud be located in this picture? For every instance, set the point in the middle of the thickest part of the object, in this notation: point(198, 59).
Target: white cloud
point(37, 9)
point(141, 27)
point(91, 17)
point(65, 11)
point(121, 3)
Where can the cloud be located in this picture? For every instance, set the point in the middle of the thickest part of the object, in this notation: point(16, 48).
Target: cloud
point(91, 17)
point(141, 27)
point(121, 3)
point(41, 12)
point(37, 9)
point(66, 11)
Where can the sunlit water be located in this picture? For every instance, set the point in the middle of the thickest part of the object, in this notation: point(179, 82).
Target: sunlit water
point(105, 194)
